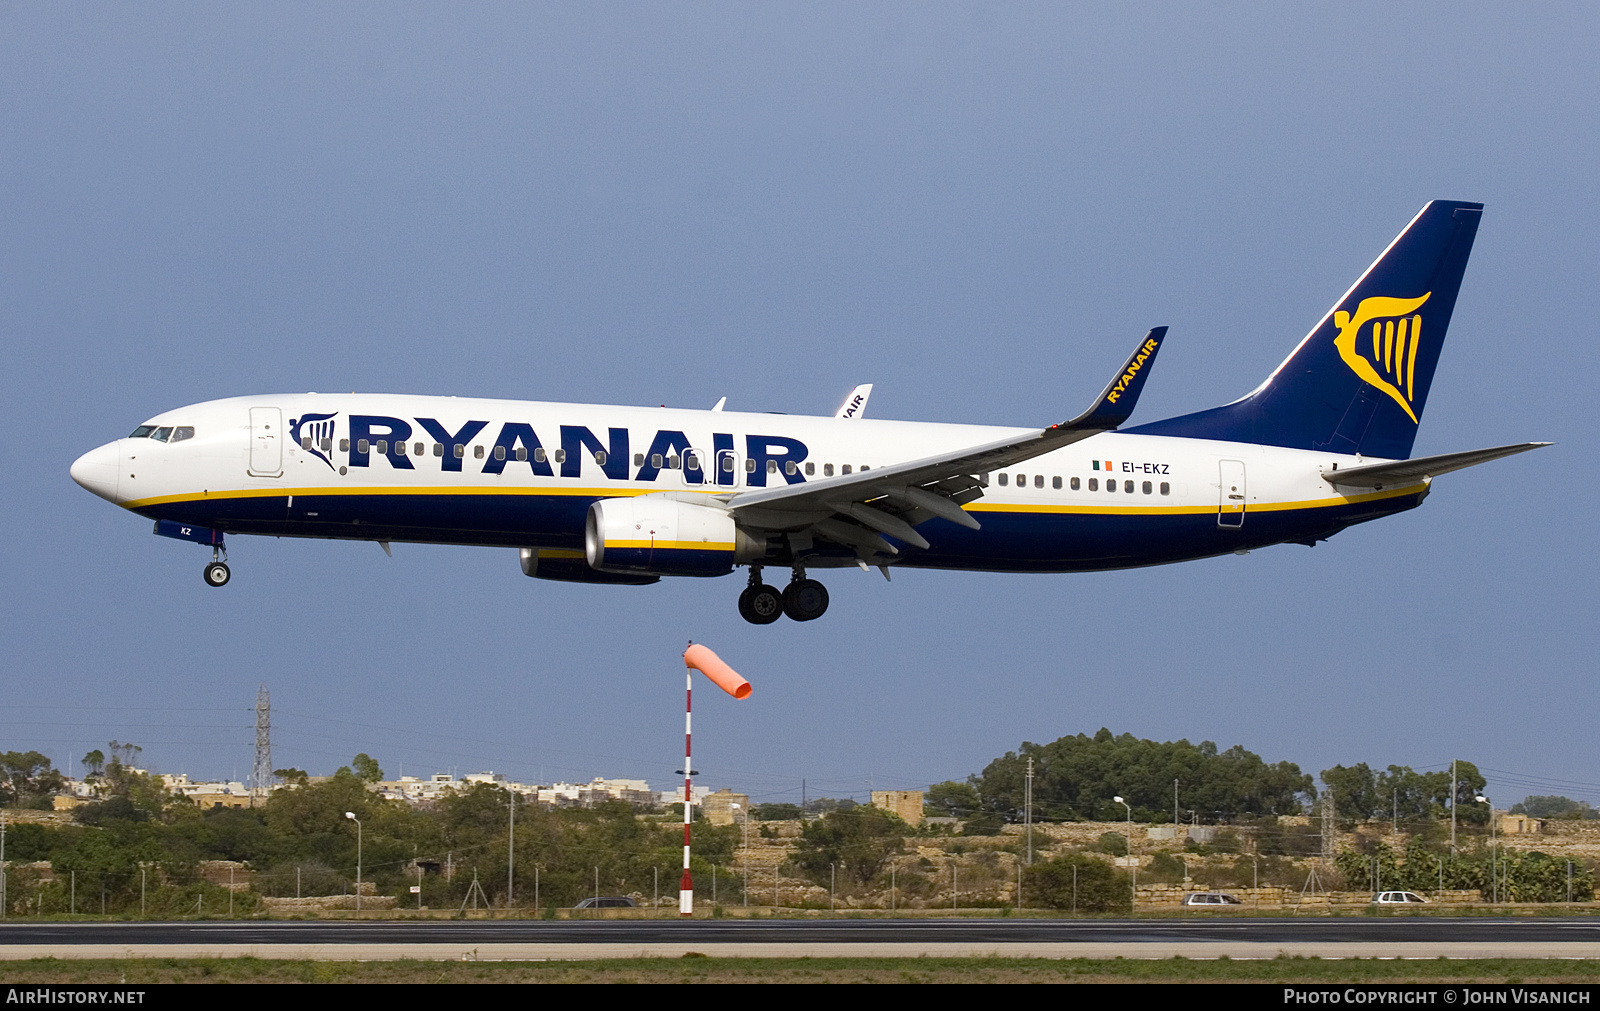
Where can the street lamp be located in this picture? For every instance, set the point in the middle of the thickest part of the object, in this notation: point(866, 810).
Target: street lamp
point(352, 816)
point(1494, 879)
point(1133, 868)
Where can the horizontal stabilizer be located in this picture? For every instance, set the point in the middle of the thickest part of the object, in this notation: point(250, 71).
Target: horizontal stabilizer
point(1400, 472)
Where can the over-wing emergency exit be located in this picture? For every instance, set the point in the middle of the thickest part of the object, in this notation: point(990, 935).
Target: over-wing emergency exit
point(627, 495)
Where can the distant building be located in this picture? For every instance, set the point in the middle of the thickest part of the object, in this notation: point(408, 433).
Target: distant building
point(1520, 824)
point(905, 803)
point(719, 808)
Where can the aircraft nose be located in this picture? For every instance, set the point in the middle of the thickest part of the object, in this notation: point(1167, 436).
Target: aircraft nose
point(97, 470)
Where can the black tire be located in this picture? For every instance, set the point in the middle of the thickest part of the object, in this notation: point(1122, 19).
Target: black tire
point(805, 600)
point(761, 605)
point(217, 574)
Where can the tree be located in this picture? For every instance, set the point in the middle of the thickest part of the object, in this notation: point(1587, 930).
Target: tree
point(859, 841)
point(1096, 887)
point(94, 764)
point(1076, 777)
point(1356, 796)
point(28, 779)
point(1555, 807)
point(953, 799)
point(292, 777)
point(366, 768)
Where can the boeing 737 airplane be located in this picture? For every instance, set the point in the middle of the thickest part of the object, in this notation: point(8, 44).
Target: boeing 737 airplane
point(627, 495)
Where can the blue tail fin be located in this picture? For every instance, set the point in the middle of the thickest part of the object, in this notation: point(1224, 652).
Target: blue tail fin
point(1359, 380)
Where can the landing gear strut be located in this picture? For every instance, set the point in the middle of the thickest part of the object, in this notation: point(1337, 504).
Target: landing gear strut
point(760, 604)
point(216, 571)
point(804, 599)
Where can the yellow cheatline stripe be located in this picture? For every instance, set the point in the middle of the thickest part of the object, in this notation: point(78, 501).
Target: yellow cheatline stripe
point(1253, 507)
point(992, 507)
point(672, 545)
point(524, 490)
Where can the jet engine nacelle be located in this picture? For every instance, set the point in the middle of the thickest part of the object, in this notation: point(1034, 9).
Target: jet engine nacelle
point(658, 536)
point(571, 567)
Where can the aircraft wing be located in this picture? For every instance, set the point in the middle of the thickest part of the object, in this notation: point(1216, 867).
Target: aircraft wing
point(1377, 475)
point(856, 509)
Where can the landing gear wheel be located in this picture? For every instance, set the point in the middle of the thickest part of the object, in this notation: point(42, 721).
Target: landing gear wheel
point(761, 604)
point(217, 574)
point(805, 600)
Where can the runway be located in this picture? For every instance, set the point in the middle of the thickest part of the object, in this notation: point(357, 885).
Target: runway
point(1356, 937)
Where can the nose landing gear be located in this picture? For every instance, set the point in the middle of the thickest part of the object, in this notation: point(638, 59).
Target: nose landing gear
point(216, 571)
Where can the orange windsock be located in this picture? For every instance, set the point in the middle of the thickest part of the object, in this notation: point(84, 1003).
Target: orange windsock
point(712, 666)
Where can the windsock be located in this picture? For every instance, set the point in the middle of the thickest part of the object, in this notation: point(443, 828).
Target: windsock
point(698, 657)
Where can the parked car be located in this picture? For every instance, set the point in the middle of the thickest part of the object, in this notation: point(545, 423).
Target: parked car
point(1396, 898)
point(1210, 899)
point(607, 902)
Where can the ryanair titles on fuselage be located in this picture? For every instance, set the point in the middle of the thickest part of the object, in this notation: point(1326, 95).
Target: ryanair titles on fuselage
point(399, 440)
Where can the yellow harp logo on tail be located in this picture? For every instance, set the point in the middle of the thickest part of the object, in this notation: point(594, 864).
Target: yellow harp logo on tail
point(1392, 337)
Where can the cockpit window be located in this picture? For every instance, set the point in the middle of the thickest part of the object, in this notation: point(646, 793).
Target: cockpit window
point(182, 432)
point(142, 432)
point(162, 434)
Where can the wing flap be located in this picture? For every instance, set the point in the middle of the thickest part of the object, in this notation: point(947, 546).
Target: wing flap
point(938, 486)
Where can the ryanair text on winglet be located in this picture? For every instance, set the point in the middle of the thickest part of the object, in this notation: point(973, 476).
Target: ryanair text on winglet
point(1133, 370)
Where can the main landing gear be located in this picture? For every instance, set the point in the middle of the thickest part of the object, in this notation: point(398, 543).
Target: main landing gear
point(216, 571)
point(802, 600)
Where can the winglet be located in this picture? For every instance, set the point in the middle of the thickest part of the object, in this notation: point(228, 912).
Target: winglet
point(1116, 402)
point(855, 405)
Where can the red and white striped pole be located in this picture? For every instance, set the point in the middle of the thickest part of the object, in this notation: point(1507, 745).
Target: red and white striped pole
point(686, 886)
point(708, 663)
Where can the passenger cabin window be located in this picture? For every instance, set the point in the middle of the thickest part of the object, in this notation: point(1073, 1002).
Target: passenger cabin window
point(655, 460)
point(400, 448)
point(811, 469)
point(827, 470)
point(1166, 489)
point(672, 463)
point(1094, 483)
point(1003, 479)
point(460, 451)
point(1146, 489)
point(727, 465)
point(600, 457)
point(327, 445)
point(182, 432)
point(383, 447)
point(305, 442)
point(1038, 481)
point(560, 456)
point(1127, 486)
point(538, 454)
point(438, 449)
point(499, 452)
point(1055, 483)
point(749, 466)
point(418, 449)
point(772, 466)
point(522, 454)
point(691, 461)
point(1074, 484)
point(638, 460)
point(845, 469)
point(363, 446)
point(477, 452)
point(344, 445)
point(1111, 484)
point(790, 468)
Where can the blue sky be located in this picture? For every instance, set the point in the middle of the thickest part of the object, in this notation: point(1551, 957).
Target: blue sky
point(976, 207)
